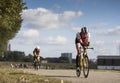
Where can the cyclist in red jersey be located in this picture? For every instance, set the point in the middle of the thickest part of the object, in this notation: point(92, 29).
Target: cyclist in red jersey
point(82, 39)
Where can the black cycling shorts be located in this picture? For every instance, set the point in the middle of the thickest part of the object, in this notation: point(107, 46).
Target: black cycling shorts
point(77, 40)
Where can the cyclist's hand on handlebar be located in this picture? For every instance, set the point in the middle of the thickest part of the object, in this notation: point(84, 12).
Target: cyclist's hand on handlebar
point(88, 44)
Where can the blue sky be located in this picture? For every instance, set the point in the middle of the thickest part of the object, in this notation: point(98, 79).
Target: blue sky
point(53, 24)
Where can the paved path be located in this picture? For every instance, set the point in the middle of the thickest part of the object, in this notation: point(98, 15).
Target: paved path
point(70, 75)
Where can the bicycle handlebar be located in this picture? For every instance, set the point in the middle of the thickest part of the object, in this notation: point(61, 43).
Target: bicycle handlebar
point(89, 48)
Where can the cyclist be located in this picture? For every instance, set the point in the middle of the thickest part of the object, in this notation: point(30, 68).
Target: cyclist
point(36, 53)
point(82, 39)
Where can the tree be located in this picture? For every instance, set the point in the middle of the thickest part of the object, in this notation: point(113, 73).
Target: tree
point(10, 20)
point(14, 56)
point(28, 58)
point(63, 59)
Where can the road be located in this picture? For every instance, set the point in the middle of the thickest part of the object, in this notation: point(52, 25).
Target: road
point(95, 76)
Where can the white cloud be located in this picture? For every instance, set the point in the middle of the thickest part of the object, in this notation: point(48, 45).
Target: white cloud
point(99, 43)
point(116, 42)
point(115, 31)
point(99, 26)
point(76, 28)
point(100, 47)
point(30, 36)
point(109, 32)
point(58, 40)
point(31, 33)
point(70, 14)
point(44, 18)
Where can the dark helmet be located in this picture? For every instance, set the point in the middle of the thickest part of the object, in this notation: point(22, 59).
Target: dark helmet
point(85, 30)
point(82, 29)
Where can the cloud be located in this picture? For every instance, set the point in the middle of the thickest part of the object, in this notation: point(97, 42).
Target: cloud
point(116, 42)
point(58, 40)
point(99, 26)
point(30, 36)
point(76, 28)
point(44, 18)
point(100, 47)
point(70, 14)
point(113, 31)
point(31, 33)
point(99, 43)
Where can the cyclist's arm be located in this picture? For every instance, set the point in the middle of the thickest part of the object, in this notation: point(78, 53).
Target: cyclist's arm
point(39, 53)
point(34, 52)
point(81, 41)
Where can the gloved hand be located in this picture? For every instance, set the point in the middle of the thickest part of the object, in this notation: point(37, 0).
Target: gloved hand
point(88, 44)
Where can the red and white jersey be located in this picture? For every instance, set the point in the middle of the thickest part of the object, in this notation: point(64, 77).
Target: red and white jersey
point(84, 38)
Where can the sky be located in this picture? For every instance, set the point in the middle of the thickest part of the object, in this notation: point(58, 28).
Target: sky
point(53, 24)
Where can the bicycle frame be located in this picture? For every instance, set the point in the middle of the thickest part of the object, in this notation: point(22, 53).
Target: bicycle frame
point(36, 64)
point(83, 54)
point(83, 63)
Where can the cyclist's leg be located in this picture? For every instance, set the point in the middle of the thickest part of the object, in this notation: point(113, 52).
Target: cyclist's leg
point(85, 45)
point(38, 59)
point(85, 54)
point(77, 59)
point(78, 54)
point(85, 49)
point(34, 58)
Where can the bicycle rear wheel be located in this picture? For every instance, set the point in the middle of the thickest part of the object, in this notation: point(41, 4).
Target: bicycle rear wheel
point(85, 66)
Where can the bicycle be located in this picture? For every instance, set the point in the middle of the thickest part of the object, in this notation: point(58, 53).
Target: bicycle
point(36, 64)
point(83, 62)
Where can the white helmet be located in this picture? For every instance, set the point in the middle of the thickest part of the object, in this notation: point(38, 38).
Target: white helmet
point(37, 47)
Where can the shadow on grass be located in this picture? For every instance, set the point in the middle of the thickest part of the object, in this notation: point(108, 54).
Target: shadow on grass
point(60, 76)
point(20, 73)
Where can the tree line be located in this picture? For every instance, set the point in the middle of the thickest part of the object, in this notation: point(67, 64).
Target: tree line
point(18, 56)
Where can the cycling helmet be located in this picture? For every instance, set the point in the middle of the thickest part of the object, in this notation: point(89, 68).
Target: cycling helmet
point(85, 29)
point(37, 47)
point(82, 29)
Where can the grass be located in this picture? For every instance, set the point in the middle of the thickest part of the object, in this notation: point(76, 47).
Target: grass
point(18, 76)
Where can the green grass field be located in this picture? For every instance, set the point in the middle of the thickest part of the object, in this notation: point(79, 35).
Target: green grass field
point(18, 76)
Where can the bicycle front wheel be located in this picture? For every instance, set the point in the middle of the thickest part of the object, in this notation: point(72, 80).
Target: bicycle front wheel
point(78, 69)
point(85, 66)
point(36, 64)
